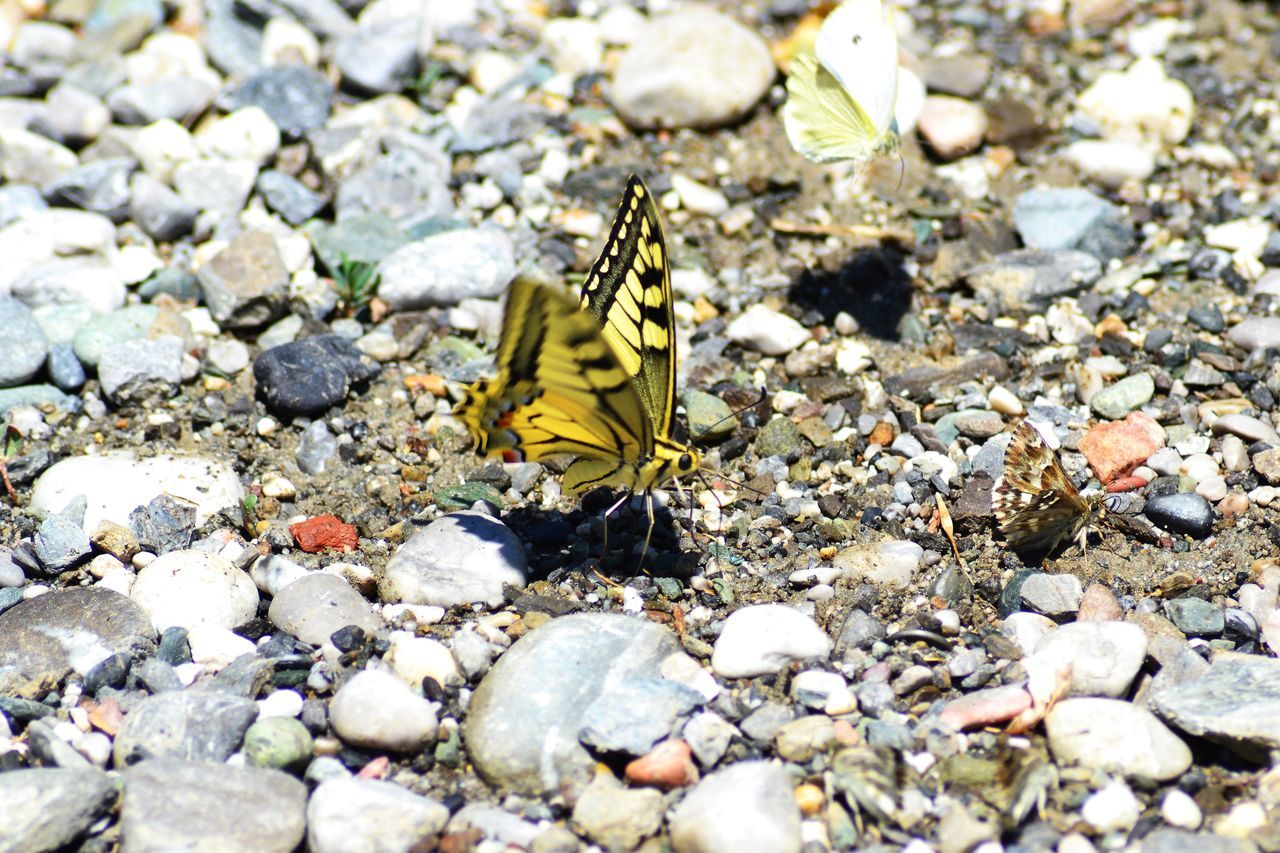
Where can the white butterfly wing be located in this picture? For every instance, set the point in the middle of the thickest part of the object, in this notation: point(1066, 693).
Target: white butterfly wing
point(822, 122)
point(859, 46)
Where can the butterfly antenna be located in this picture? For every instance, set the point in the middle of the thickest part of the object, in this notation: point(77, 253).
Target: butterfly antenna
point(764, 394)
point(902, 169)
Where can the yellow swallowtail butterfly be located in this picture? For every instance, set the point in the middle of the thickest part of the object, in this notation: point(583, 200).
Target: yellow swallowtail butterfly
point(593, 379)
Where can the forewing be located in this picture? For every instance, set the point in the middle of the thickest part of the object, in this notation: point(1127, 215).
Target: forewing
point(822, 121)
point(559, 389)
point(1034, 501)
point(859, 46)
point(628, 291)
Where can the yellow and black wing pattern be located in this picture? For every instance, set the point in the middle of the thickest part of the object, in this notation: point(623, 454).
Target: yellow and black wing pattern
point(596, 380)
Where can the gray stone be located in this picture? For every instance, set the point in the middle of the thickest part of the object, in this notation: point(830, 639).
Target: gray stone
point(617, 817)
point(1167, 840)
point(1029, 279)
point(1104, 656)
point(693, 68)
point(316, 446)
point(636, 714)
point(246, 284)
point(522, 730)
point(369, 816)
point(376, 710)
point(219, 186)
point(289, 197)
point(53, 635)
point(1195, 616)
point(1052, 595)
point(101, 186)
point(446, 268)
point(1073, 218)
point(708, 735)
point(60, 542)
point(160, 211)
point(170, 804)
point(763, 724)
point(1181, 513)
point(130, 323)
point(18, 200)
point(458, 559)
point(312, 608)
point(36, 395)
point(1256, 333)
point(143, 370)
point(174, 97)
point(747, 806)
point(65, 370)
point(381, 56)
point(50, 809)
point(190, 725)
point(23, 345)
point(1236, 703)
point(296, 98)
point(1115, 736)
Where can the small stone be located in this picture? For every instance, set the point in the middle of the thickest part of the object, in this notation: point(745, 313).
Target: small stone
point(459, 558)
point(1111, 164)
point(668, 765)
point(246, 284)
point(779, 437)
point(764, 639)
point(380, 56)
point(1181, 513)
point(1112, 735)
point(765, 330)
point(375, 710)
point(1178, 809)
point(50, 808)
point(891, 564)
point(1256, 333)
point(709, 736)
point(1029, 279)
point(315, 606)
point(802, 739)
point(1052, 595)
point(1267, 464)
point(617, 817)
point(1113, 808)
point(186, 725)
point(1140, 104)
point(1114, 449)
point(1099, 605)
point(289, 197)
point(1105, 656)
point(953, 127)
point(746, 806)
point(1004, 401)
point(1246, 427)
point(190, 588)
point(697, 68)
point(1196, 617)
point(143, 370)
point(279, 742)
point(383, 815)
point(1117, 400)
point(307, 377)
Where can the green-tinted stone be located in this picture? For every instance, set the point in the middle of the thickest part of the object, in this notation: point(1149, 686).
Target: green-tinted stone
point(800, 472)
point(431, 227)
point(280, 742)
point(709, 417)
point(177, 283)
point(779, 437)
point(130, 323)
point(1116, 401)
point(454, 498)
point(836, 529)
point(1175, 433)
point(369, 237)
point(670, 587)
point(449, 752)
point(34, 395)
point(61, 322)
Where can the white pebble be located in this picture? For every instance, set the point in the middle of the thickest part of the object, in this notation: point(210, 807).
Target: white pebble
point(1263, 495)
point(698, 197)
point(1178, 809)
point(765, 638)
point(1235, 455)
point(1199, 467)
point(280, 703)
point(1212, 489)
point(1111, 809)
point(765, 330)
point(1004, 401)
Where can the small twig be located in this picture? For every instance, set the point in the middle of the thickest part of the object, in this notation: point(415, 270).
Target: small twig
point(838, 229)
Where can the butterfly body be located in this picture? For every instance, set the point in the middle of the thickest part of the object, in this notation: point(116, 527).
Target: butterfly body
point(1036, 505)
point(842, 96)
point(592, 378)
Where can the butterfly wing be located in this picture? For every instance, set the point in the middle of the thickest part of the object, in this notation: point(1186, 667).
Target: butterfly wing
point(1034, 501)
point(628, 291)
point(858, 45)
point(822, 122)
point(559, 390)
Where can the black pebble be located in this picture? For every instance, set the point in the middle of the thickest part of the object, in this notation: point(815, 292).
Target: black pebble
point(307, 377)
point(1182, 513)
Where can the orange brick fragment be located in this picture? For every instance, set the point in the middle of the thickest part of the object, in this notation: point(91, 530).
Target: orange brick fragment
point(324, 531)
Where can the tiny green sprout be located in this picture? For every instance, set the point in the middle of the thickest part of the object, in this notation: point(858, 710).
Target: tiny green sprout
point(356, 283)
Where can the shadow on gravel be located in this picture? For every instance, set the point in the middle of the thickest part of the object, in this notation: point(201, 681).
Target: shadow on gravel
point(872, 287)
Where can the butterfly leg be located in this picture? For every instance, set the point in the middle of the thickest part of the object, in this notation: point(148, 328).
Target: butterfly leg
point(604, 548)
point(648, 503)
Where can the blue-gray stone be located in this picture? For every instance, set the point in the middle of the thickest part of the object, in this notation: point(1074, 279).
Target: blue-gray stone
point(1195, 616)
point(296, 98)
point(407, 184)
point(316, 446)
point(636, 715)
point(232, 41)
point(163, 525)
point(61, 322)
point(174, 282)
point(118, 26)
point(140, 370)
point(17, 200)
point(65, 370)
point(100, 186)
point(380, 57)
point(1074, 218)
point(1181, 513)
point(9, 597)
point(1030, 279)
point(1233, 704)
point(51, 808)
point(307, 377)
point(176, 98)
point(60, 543)
point(35, 395)
point(11, 573)
point(124, 324)
point(23, 346)
point(193, 725)
point(160, 211)
point(368, 238)
point(289, 197)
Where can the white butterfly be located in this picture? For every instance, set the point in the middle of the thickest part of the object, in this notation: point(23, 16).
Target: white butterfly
point(841, 98)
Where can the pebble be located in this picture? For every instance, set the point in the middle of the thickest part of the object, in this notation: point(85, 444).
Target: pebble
point(1256, 333)
point(617, 817)
point(953, 127)
point(523, 723)
point(1104, 656)
point(1181, 513)
point(746, 806)
point(313, 607)
point(1052, 595)
point(1026, 279)
point(186, 725)
point(1113, 808)
point(288, 196)
point(1116, 736)
point(279, 742)
point(890, 564)
point(190, 588)
point(380, 56)
point(141, 371)
point(668, 765)
point(375, 710)
point(228, 807)
point(764, 639)
point(1111, 164)
point(1227, 704)
point(306, 377)
point(1246, 427)
point(697, 68)
point(1178, 809)
point(246, 285)
point(159, 211)
point(457, 559)
point(1116, 448)
point(50, 636)
point(446, 268)
point(709, 735)
point(1139, 104)
point(1119, 399)
point(415, 659)
point(1072, 219)
point(382, 815)
point(765, 330)
point(51, 808)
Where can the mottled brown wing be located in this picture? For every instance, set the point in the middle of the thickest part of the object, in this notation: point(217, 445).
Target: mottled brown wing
point(1034, 501)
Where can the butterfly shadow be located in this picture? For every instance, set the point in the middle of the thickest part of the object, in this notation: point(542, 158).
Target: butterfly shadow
point(873, 287)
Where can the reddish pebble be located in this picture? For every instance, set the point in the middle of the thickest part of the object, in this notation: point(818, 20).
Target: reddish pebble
point(667, 765)
point(1233, 505)
point(1114, 449)
point(1126, 484)
point(845, 733)
point(994, 705)
point(106, 716)
point(882, 435)
point(1099, 605)
point(324, 531)
point(376, 769)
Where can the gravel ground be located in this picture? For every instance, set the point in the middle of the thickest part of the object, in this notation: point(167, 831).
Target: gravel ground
point(259, 594)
